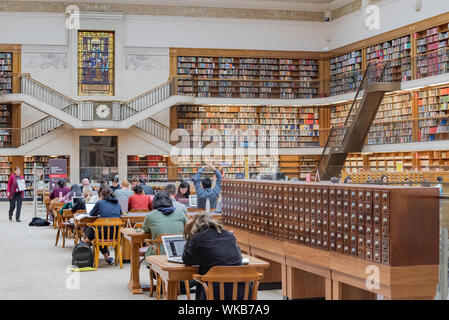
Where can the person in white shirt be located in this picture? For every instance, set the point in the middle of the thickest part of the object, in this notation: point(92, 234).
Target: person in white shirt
point(171, 190)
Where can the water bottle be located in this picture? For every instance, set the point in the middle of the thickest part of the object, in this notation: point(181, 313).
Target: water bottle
point(207, 205)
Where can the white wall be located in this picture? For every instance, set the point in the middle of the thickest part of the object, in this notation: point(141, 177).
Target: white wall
point(393, 14)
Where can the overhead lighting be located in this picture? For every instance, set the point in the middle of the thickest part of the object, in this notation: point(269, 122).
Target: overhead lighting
point(101, 130)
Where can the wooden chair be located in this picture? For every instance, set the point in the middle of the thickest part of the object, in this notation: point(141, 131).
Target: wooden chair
point(109, 239)
point(139, 210)
point(64, 226)
point(156, 244)
point(230, 274)
point(77, 236)
point(57, 206)
point(47, 207)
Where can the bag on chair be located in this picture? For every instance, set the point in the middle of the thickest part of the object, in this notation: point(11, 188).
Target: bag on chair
point(82, 255)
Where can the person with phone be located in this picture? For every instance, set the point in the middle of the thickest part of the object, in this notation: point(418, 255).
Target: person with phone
point(204, 188)
point(15, 192)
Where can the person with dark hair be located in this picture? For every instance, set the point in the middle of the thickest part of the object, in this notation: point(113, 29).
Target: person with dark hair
point(171, 190)
point(134, 181)
point(15, 196)
point(204, 189)
point(60, 191)
point(334, 180)
point(147, 189)
point(115, 184)
point(348, 179)
point(163, 219)
point(208, 245)
point(440, 184)
point(106, 207)
point(384, 179)
point(75, 192)
point(139, 201)
point(183, 192)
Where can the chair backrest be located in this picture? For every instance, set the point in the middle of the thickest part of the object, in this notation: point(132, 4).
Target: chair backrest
point(110, 230)
point(67, 214)
point(230, 274)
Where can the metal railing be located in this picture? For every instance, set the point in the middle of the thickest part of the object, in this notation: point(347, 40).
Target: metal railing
point(150, 98)
point(155, 128)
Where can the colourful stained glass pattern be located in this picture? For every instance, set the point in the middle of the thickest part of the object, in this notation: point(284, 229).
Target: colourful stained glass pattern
point(96, 63)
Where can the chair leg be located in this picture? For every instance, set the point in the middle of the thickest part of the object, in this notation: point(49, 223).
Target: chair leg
point(120, 259)
point(57, 237)
point(97, 256)
point(64, 233)
point(158, 287)
point(186, 284)
point(151, 282)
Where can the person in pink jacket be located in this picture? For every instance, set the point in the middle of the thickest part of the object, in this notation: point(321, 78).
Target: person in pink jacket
point(14, 195)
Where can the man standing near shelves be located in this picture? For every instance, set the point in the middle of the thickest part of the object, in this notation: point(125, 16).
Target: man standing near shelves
point(204, 189)
point(14, 191)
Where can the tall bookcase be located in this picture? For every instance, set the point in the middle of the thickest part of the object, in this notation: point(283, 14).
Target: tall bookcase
point(433, 113)
point(5, 172)
point(6, 124)
point(398, 53)
point(346, 73)
point(153, 168)
point(431, 49)
point(250, 126)
point(246, 73)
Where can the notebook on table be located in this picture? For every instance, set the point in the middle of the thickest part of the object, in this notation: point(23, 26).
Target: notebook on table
point(174, 247)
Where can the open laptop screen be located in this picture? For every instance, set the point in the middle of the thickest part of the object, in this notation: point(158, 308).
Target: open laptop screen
point(89, 207)
point(174, 245)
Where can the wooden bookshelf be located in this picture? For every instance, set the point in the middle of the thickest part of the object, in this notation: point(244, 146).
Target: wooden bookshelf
point(5, 172)
point(295, 126)
point(393, 121)
point(431, 50)
point(398, 53)
point(6, 125)
point(433, 112)
point(42, 164)
point(6, 72)
point(153, 167)
point(346, 73)
point(246, 73)
point(297, 166)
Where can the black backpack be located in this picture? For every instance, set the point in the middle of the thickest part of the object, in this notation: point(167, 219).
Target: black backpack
point(82, 255)
point(38, 222)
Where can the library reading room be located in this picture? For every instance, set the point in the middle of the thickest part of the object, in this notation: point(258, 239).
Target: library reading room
point(301, 145)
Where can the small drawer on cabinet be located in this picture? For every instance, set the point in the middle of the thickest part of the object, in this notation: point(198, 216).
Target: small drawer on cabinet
point(385, 196)
point(353, 218)
point(385, 257)
point(325, 193)
point(361, 252)
point(353, 240)
point(360, 195)
point(339, 193)
point(368, 231)
point(377, 256)
point(386, 208)
point(346, 205)
point(332, 246)
point(313, 242)
point(346, 194)
point(307, 192)
point(361, 241)
point(368, 207)
point(360, 218)
point(353, 251)
point(339, 247)
point(301, 239)
point(376, 232)
point(377, 195)
point(353, 194)
point(368, 218)
point(339, 205)
point(368, 254)
point(346, 218)
point(331, 193)
point(385, 245)
point(353, 229)
point(361, 230)
point(368, 242)
point(376, 208)
point(377, 243)
point(353, 206)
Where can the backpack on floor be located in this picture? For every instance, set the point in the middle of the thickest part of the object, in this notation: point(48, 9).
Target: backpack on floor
point(82, 255)
point(38, 222)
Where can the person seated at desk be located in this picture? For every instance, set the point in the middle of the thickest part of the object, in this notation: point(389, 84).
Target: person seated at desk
point(209, 245)
point(147, 189)
point(123, 192)
point(106, 207)
point(115, 184)
point(204, 189)
point(183, 192)
point(80, 203)
point(171, 190)
point(60, 191)
point(163, 219)
point(139, 201)
point(75, 191)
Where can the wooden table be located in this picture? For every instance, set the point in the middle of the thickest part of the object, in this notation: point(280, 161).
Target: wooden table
point(173, 273)
point(135, 239)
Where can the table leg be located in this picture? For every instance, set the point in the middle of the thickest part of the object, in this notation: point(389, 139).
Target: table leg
point(328, 288)
point(134, 284)
point(172, 290)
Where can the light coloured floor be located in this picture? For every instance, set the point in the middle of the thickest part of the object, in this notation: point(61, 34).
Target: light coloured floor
point(31, 267)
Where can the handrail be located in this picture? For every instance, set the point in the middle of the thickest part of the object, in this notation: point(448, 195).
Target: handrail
point(27, 75)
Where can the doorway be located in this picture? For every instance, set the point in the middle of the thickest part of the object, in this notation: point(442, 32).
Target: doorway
point(98, 157)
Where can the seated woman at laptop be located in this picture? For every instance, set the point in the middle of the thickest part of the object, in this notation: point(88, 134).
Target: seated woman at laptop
point(209, 245)
point(163, 219)
point(80, 203)
point(139, 201)
point(106, 207)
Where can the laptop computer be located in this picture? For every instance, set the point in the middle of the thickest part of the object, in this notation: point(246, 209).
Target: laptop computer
point(174, 247)
point(89, 207)
point(193, 201)
point(124, 204)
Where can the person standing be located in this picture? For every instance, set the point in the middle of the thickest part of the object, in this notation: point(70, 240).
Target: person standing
point(15, 196)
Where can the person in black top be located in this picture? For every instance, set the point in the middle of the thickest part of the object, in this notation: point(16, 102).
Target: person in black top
point(209, 245)
point(115, 184)
point(147, 189)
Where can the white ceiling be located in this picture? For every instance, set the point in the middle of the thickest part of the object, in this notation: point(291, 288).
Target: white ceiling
point(311, 5)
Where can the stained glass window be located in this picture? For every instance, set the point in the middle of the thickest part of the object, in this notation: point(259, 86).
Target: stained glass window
point(96, 63)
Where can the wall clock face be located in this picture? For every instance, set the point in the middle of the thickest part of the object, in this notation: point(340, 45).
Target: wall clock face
point(103, 111)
